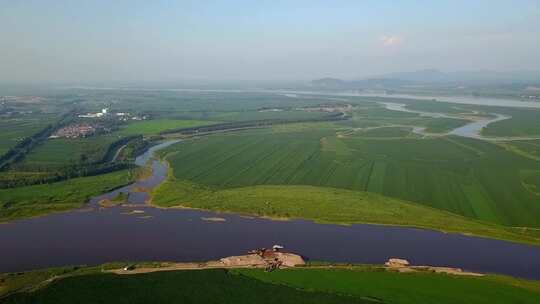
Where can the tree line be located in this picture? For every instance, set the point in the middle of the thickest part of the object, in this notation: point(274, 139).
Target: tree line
point(18, 152)
point(134, 145)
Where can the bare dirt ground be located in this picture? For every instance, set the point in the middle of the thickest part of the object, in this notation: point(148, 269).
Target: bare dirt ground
point(289, 261)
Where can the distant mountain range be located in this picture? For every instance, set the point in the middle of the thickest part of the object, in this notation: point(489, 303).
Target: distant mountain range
point(431, 76)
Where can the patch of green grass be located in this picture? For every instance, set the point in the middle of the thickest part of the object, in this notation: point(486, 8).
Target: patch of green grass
point(68, 151)
point(413, 288)
point(15, 130)
point(473, 178)
point(197, 286)
point(317, 283)
point(523, 122)
point(441, 125)
point(435, 107)
point(326, 205)
point(531, 181)
point(526, 148)
point(261, 115)
point(149, 127)
point(35, 200)
point(384, 132)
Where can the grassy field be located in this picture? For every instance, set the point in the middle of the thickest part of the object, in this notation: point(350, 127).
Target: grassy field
point(40, 199)
point(327, 205)
point(435, 107)
point(211, 106)
point(14, 130)
point(526, 148)
point(150, 127)
point(68, 151)
point(386, 132)
point(410, 288)
point(261, 115)
point(199, 286)
point(352, 284)
point(524, 122)
point(468, 177)
point(441, 125)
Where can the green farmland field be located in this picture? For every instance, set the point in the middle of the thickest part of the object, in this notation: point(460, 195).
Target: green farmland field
point(150, 127)
point(526, 148)
point(327, 205)
point(468, 177)
point(40, 199)
point(66, 151)
point(385, 132)
point(351, 284)
point(261, 115)
point(14, 130)
point(523, 122)
point(440, 125)
point(413, 288)
point(197, 286)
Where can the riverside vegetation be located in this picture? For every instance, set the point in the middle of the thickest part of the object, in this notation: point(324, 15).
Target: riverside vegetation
point(365, 165)
point(312, 284)
point(276, 156)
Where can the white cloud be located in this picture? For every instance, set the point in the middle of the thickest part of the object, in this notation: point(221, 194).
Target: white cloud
point(391, 40)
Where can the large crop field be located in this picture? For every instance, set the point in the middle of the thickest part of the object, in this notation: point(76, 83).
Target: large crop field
point(199, 286)
point(151, 127)
point(352, 284)
point(413, 288)
point(468, 177)
point(15, 130)
point(68, 151)
point(328, 205)
point(523, 122)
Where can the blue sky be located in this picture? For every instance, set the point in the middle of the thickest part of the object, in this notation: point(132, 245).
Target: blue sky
point(175, 40)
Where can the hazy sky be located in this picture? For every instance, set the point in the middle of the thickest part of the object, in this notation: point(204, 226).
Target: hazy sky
point(82, 41)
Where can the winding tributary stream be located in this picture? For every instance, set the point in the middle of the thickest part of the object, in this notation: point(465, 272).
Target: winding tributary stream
point(472, 129)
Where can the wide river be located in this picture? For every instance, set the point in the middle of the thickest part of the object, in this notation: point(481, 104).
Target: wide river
point(139, 232)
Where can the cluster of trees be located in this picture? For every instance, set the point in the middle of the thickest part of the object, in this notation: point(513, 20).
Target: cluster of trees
point(67, 172)
point(113, 148)
point(136, 146)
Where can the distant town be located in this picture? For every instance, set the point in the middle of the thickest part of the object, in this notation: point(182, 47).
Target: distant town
point(122, 116)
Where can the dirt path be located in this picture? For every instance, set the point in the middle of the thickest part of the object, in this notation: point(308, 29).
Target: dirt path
point(179, 266)
point(220, 265)
point(118, 153)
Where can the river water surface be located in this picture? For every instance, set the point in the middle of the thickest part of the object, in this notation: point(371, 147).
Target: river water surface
point(139, 232)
